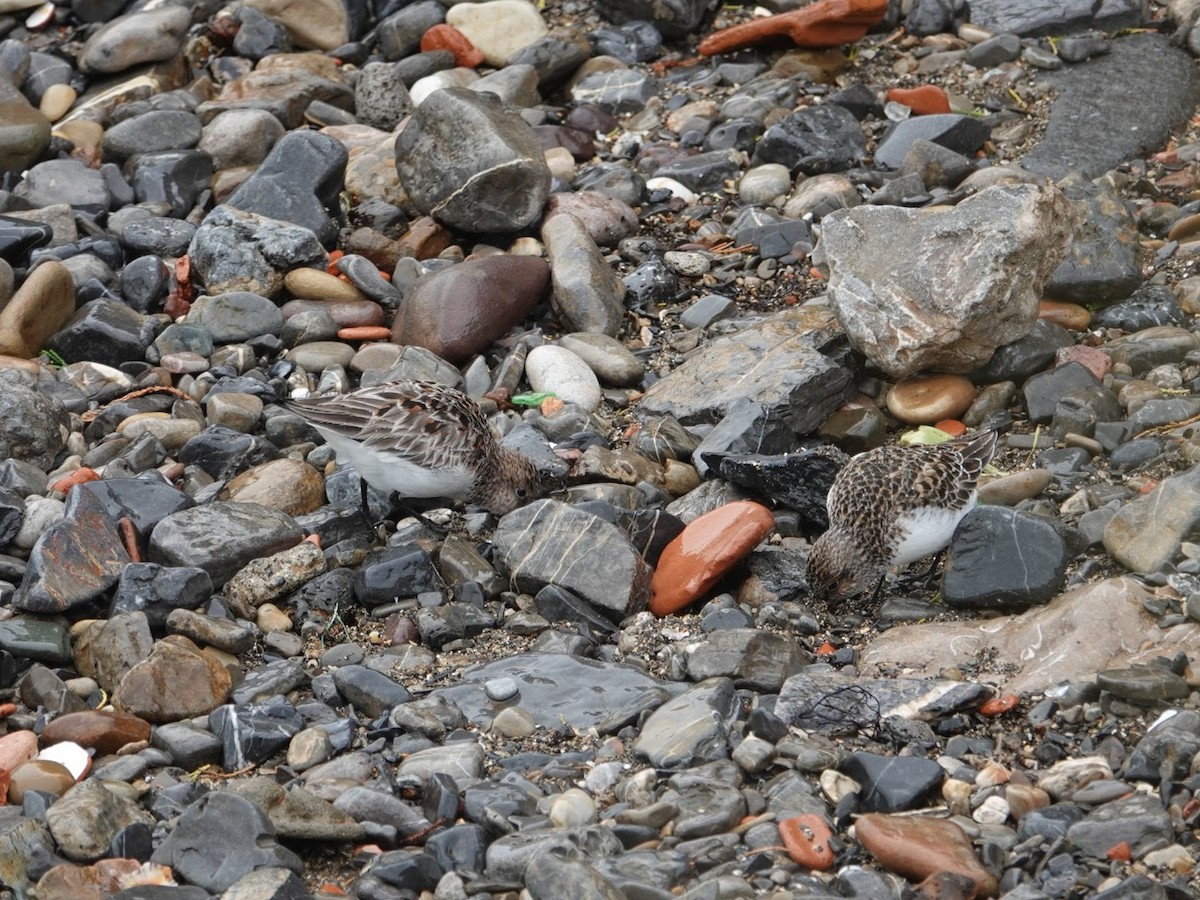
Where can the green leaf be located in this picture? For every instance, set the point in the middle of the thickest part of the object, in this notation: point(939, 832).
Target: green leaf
point(532, 399)
point(926, 434)
point(53, 358)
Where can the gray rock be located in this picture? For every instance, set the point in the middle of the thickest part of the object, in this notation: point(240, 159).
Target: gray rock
point(139, 37)
point(558, 689)
point(298, 182)
point(776, 364)
point(1103, 262)
point(1091, 126)
point(916, 291)
point(549, 542)
point(221, 537)
point(759, 660)
point(463, 160)
point(462, 761)
point(236, 316)
point(692, 728)
point(610, 359)
point(616, 90)
point(108, 648)
point(547, 878)
point(1033, 17)
point(85, 820)
point(962, 134)
point(104, 331)
point(235, 250)
point(64, 181)
point(1139, 819)
point(75, 561)
point(508, 857)
point(674, 18)
point(150, 132)
point(1002, 558)
point(587, 294)
point(380, 97)
point(814, 140)
point(29, 637)
point(33, 424)
point(1146, 533)
point(221, 838)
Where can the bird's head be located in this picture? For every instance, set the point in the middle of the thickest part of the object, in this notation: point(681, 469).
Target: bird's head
point(837, 568)
point(517, 482)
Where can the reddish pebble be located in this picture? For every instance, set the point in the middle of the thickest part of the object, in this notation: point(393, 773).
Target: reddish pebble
point(926, 100)
point(447, 37)
point(16, 748)
point(1120, 853)
point(105, 730)
point(704, 551)
point(826, 23)
point(952, 427)
point(999, 705)
point(807, 840)
point(79, 476)
point(1093, 359)
point(364, 333)
point(1071, 316)
point(826, 649)
point(920, 846)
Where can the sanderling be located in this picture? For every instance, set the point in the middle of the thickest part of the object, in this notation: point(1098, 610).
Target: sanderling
point(892, 506)
point(419, 440)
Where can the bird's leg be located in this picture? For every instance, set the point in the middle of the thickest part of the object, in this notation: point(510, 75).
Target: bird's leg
point(928, 575)
point(364, 505)
point(404, 509)
point(875, 595)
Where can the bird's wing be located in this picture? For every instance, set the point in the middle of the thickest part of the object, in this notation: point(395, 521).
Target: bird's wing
point(426, 424)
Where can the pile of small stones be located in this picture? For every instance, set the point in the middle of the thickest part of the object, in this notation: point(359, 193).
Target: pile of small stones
point(687, 286)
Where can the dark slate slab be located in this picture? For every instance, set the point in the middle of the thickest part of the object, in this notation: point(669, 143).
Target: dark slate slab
point(1055, 17)
point(1104, 115)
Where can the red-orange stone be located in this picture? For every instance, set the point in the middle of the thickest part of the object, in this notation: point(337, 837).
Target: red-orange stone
point(704, 551)
point(447, 37)
point(926, 100)
point(1121, 852)
point(952, 427)
point(919, 846)
point(79, 476)
point(999, 705)
point(364, 333)
point(807, 840)
point(828, 23)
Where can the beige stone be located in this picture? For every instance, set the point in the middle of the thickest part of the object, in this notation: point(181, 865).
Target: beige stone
point(39, 308)
point(313, 24)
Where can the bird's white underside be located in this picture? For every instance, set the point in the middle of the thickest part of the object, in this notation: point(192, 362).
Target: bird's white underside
point(926, 531)
point(391, 472)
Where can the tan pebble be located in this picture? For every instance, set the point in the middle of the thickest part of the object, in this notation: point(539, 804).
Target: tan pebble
point(1012, 489)
point(83, 133)
point(273, 619)
point(1185, 229)
point(1069, 315)
point(56, 101)
point(928, 399)
point(313, 284)
point(679, 478)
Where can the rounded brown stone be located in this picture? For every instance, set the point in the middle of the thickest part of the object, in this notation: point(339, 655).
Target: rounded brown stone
point(919, 846)
point(105, 730)
point(346, 313)
point(458, 312)
point(1071, 316)
point(930, 398)
point(39, 308)
point(1185, 229)
point(288, 485)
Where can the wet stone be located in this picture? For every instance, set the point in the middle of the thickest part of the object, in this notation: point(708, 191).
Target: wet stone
point(752, 658)
point(814, 140)
point(509, 857)
point(892, 784)
point(252, 734)
point(691, 728)
point(1139, 820)
point(1143, 684)
point(176, 681)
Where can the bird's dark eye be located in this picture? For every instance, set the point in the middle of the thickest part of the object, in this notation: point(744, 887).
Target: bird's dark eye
point(521, 492)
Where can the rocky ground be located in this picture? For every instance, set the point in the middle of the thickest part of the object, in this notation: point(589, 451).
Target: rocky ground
point(686, 269)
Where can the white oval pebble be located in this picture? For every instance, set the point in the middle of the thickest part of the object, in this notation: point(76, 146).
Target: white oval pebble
point(40, 514)
point(572, 807)
point(559, 371)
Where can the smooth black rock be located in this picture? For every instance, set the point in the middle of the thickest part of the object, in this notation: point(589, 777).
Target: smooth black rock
point(371, 693)
point(1149, 305)
point(174, 177)
point(633, 42)
point(103, 331)
point(703, 172)
point(144, 283)
point(408, 870)
point(859, 99)
point(400, 35)
point(440, 625)
point(188, 746)
point(935, 16)
point(553, 58)
point(252, 734)
point(815, 140)
point(1002, 558)
point(1026, 356)
point(219, 839)
point(223, 453)
point(1166, 750)
point(893, 783)
point(19, 236)
point(459, 849)
point(156, 590)
point(394, 572)
point(674, 18)
point(274, 679)
point(962, 134)
point(557, 604)
point(1043, 391)
point(799, 481)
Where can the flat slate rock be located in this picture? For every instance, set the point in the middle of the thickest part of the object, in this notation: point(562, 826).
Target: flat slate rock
point(1056, 17)
point(557, 689)
point(1093, 128)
